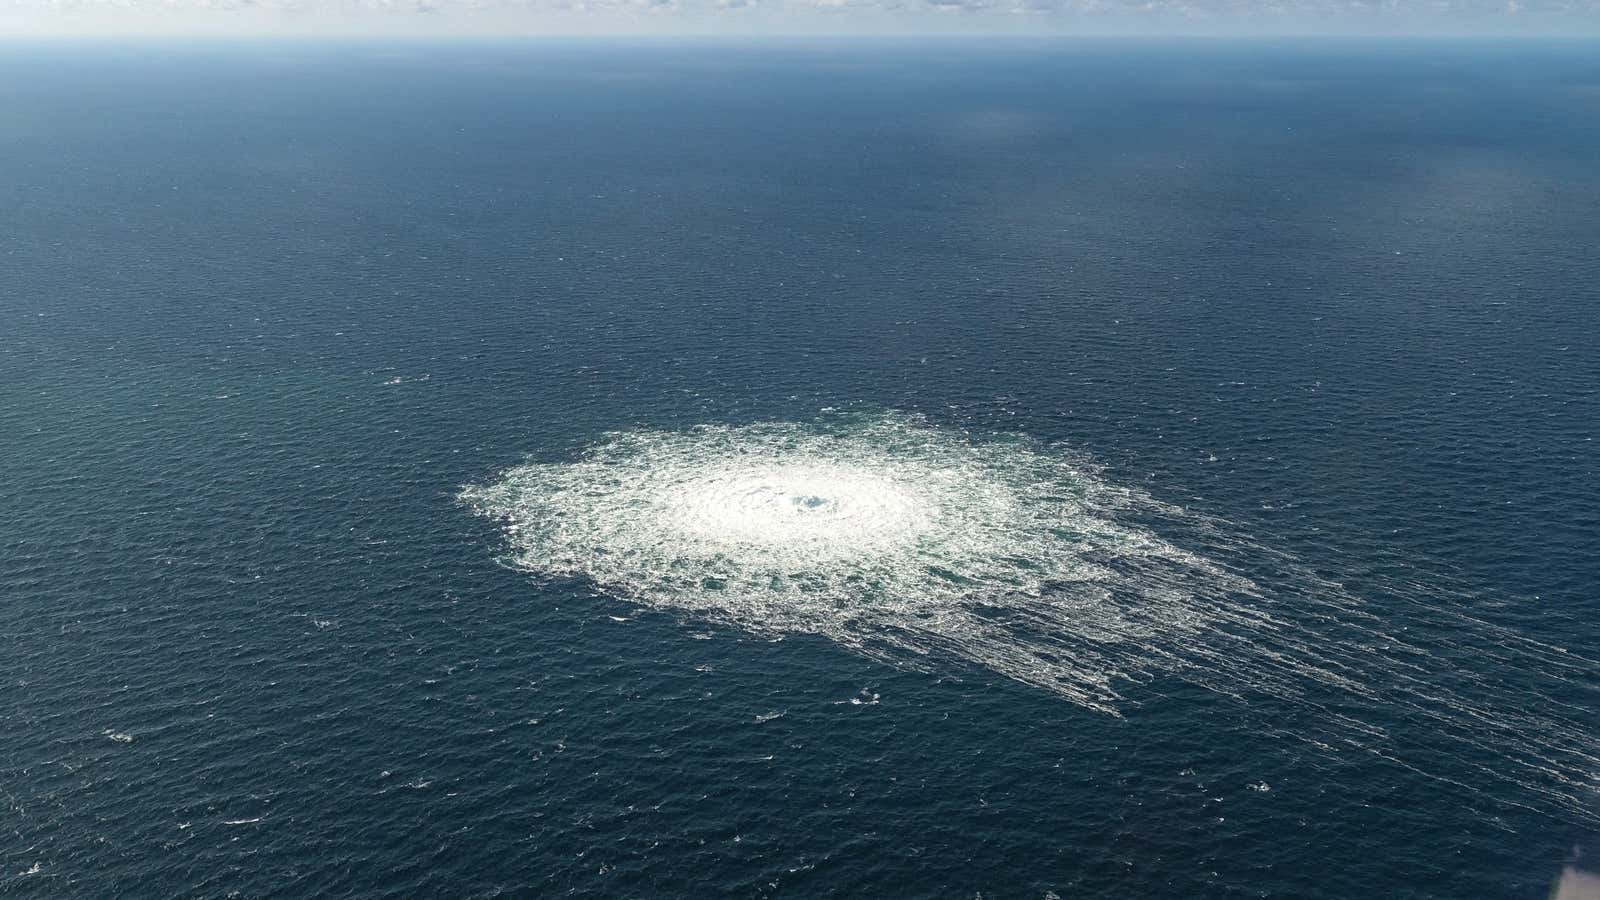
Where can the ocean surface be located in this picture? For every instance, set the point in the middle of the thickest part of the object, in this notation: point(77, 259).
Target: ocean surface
point(1098, 469)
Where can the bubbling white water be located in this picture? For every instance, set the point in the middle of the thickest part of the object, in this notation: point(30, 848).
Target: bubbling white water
point(921, 547)
point(812, 509)
point(880, 533)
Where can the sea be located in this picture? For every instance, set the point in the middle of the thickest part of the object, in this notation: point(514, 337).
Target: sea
point(836, 467)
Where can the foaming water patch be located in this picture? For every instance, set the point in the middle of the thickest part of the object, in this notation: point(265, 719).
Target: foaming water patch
point(921, 547)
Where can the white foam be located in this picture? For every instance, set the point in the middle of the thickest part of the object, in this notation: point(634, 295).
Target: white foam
point(924, 547)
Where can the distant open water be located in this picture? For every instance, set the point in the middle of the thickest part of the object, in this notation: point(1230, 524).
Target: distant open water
point(1108, 469)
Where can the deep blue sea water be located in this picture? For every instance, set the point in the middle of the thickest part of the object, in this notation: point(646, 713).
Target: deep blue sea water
point(266, 309)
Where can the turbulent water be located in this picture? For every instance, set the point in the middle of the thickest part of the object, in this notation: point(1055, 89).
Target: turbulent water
point(883, 534)
point(920, 547)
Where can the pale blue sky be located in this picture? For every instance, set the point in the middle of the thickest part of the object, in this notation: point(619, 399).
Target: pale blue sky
point(479, 17)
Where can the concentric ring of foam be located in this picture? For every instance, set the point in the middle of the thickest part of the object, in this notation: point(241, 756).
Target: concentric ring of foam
point(854, 525)
point(913, 544)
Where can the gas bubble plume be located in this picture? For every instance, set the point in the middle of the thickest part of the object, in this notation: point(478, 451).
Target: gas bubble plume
point(925, 547)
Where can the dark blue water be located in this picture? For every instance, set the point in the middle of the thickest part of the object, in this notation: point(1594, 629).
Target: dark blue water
point(265, 309)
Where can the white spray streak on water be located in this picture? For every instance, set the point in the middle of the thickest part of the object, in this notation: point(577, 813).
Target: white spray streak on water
point(919, 546)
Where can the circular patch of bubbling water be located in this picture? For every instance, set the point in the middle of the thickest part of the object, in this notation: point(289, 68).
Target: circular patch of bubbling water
point(892, 537)
point(921, 547)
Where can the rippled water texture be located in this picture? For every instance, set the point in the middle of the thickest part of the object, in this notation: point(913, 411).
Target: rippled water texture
point(921, 547)
point(1208, 509)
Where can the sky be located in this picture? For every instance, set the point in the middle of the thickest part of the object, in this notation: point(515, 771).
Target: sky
point(420, 18)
